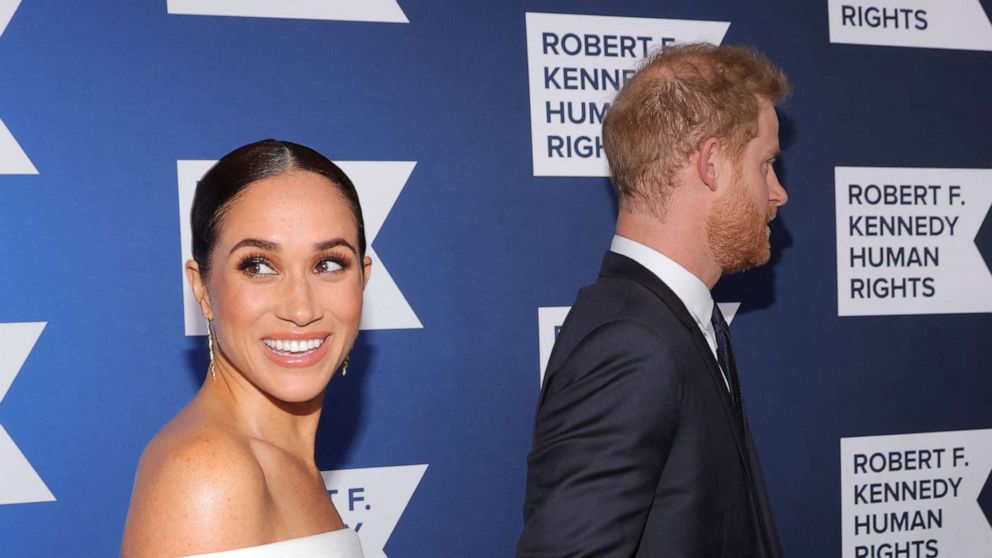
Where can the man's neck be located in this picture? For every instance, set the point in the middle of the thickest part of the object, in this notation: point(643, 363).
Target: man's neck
point(681, 240)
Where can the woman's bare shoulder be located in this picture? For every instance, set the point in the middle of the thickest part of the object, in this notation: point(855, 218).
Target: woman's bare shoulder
point(199, 488)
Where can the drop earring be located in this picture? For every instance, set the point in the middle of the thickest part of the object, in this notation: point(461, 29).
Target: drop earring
point(210, 348)
point(344, 366)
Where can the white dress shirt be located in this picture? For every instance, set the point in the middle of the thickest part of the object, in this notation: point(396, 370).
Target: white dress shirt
point(686, 286)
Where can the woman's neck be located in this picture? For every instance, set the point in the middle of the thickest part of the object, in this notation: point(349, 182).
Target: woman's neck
point(291, 427)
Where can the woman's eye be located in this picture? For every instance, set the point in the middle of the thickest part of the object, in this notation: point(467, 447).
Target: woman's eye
point(257, 266)
point(263, 268)
point(328, 265)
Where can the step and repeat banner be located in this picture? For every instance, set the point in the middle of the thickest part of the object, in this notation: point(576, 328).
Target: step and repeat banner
point(472, 132)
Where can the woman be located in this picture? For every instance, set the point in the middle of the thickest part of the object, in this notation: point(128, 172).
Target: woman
point(278, 269)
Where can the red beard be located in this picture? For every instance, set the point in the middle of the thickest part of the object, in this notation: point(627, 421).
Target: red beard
point(738, 232)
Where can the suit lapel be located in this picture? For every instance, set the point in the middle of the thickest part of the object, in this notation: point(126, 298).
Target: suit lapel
point(622, 267)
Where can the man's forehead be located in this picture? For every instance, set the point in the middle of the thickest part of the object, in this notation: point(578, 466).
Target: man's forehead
point(768, 121)
point(766, 144)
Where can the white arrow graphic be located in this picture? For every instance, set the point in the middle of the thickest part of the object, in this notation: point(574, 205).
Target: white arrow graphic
point(383, 11)
point(951, 24)
point(13, 160)
point(372, 500)
point(19, 483)
point(7, 9)
point(379, 184)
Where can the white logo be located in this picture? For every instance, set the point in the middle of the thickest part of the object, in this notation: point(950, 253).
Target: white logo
point(7, 9)
point(915, 494)
point(955, 24)
point(19, 483)
point(550, 319)
point(379, 183)
point(385, 11)
point(576, 65)
point(905, 241)
point(372, 500)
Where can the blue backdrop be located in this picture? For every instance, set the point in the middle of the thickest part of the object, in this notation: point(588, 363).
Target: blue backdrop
point(105, 97)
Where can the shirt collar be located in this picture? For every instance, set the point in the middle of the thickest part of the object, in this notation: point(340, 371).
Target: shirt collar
point(689, 288)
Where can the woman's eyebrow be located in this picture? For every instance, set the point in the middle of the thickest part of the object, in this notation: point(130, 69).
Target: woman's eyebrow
point(275, 247)
point(328, 244)
point(256, 243)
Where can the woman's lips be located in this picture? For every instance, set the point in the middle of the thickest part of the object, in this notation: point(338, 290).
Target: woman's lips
point(295, 352)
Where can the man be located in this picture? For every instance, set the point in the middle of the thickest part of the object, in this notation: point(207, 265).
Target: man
point(640, 444)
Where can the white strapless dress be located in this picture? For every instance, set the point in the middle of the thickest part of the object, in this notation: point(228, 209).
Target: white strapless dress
point(342, 543)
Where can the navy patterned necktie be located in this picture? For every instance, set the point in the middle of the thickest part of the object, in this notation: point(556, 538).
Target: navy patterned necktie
point(725, 356)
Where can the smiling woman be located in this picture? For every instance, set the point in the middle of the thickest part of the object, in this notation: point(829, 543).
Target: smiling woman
point(278, 269)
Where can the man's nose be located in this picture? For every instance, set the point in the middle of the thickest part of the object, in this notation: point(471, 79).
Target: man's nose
point(776, 192)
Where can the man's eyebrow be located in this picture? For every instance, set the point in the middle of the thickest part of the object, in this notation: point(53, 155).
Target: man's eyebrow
point(328, 244)
point(256, 243)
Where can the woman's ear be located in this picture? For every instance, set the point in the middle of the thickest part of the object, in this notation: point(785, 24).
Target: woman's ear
point(199, 285)
point(366, 270)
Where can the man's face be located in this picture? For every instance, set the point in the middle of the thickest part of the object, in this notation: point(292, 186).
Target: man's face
point(737, 224)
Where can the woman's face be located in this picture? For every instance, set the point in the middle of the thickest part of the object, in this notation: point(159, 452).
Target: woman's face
point(285, 285)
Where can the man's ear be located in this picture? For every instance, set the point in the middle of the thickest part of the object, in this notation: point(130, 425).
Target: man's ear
point(198, 283)
point(366, 270)
point(707, 162)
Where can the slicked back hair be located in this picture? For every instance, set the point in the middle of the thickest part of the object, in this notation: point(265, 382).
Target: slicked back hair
point(237, 170)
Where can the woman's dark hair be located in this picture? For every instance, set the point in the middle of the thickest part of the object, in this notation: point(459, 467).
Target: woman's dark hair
point(250, 163)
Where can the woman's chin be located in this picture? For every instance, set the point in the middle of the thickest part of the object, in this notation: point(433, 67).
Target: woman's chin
point(299, 389)
point(301, 394)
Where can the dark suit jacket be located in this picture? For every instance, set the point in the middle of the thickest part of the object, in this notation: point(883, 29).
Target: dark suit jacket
point(637, 448)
